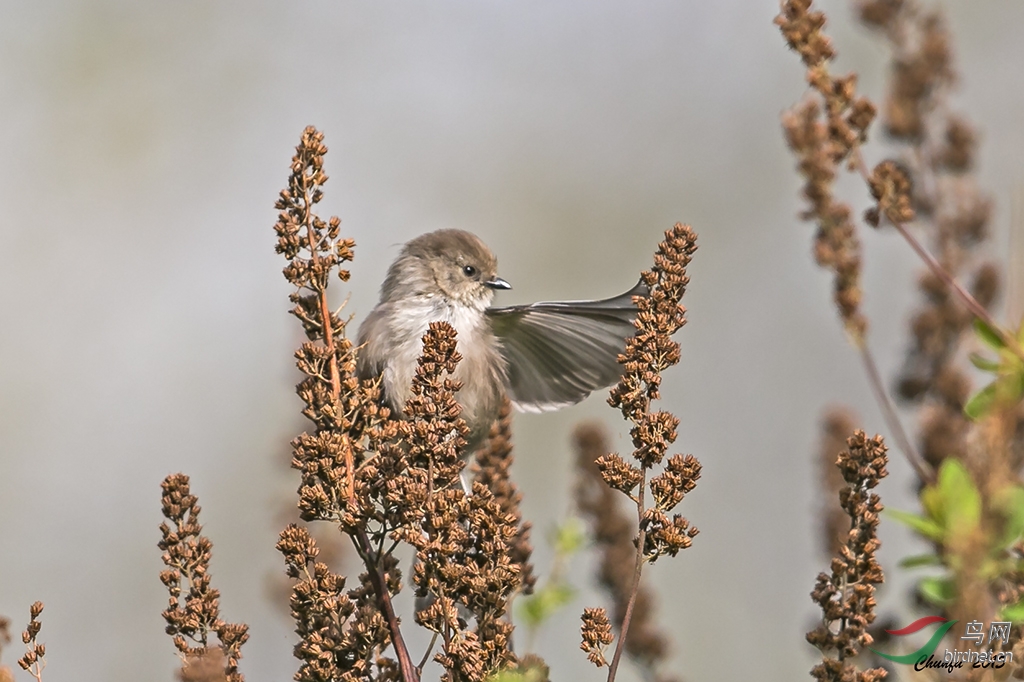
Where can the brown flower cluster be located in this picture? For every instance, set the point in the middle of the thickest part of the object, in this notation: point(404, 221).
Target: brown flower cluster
point(921, 65)
point(492, 469)
point(463, 542)
point(613, 533)
point(648, 353)
point(340, 481)
point(890, 187)
point(194, 615)
point(597, 635)
point(34, 659)
point(339, 634)
point(385, 481)
point(825, 132)
point(847, 594)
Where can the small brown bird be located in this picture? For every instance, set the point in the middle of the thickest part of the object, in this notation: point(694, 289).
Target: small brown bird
point(544, 356)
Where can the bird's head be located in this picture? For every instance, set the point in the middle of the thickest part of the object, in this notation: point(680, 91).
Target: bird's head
point(451, 263)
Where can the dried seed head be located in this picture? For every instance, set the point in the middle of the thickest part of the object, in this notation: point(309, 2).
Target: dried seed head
point(597, 634)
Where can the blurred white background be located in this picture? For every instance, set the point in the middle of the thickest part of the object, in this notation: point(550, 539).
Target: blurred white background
point(143, 325)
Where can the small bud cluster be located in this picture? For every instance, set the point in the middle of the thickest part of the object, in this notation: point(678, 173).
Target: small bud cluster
point(34, 659)
point(193, 613)
point(597, 635)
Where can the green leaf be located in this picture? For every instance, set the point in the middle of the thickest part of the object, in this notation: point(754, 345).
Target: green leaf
point(920, 560)
point(1013, 613)
point(1010, 501)
point(938, 590)
point(920, 524)
point(988, 335)
point(543, 603)
point(981, 402)
point(983, 363)
point(569, 537)
point(961, 500)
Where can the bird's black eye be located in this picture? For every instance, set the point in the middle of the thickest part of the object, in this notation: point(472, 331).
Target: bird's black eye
point(469, 270)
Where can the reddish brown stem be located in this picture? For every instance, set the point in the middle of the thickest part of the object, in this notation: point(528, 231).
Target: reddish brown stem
point(363, 544)
point(921, 468)
point(935, 266)
point(405, 664)
point(641, 539)
point(328, 332)
point(624, 628)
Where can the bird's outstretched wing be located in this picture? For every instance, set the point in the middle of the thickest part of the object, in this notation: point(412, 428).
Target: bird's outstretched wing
point(558, 352)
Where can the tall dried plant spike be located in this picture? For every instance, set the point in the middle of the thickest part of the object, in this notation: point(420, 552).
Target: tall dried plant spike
point(193, 611)
point(648, 353)
point(847, 594)
point(825, 131)
point(336, 482)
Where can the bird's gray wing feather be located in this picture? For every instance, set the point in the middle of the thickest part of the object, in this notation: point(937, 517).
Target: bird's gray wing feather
point(559, 352)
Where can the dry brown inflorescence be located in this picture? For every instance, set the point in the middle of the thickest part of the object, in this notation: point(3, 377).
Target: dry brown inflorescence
point(34, 659)
point(846, 595)
point(823, 131)
point(826, 132)
point(939, 189)
point(493, 470)
point(193, 611)
point(384, 481)
point(648, 353)
point(931, 183)
point(613, 531)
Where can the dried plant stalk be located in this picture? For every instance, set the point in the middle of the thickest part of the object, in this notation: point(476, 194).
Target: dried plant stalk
point(847, 594)
point(194, 614)
point(385, 481)
point(613, 533)
point(825, 132)
point(648, 353)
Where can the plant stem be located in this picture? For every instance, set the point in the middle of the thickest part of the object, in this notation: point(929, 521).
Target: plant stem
point(624, 628)
point(362, 541)
point(405, 664)
point(935, 266)
point(921, 468)
point(641, 539)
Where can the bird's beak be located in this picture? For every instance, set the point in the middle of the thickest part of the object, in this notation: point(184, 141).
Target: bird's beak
point(497, 283)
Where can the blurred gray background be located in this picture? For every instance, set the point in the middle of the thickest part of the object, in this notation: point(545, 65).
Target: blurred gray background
point(143, 325)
